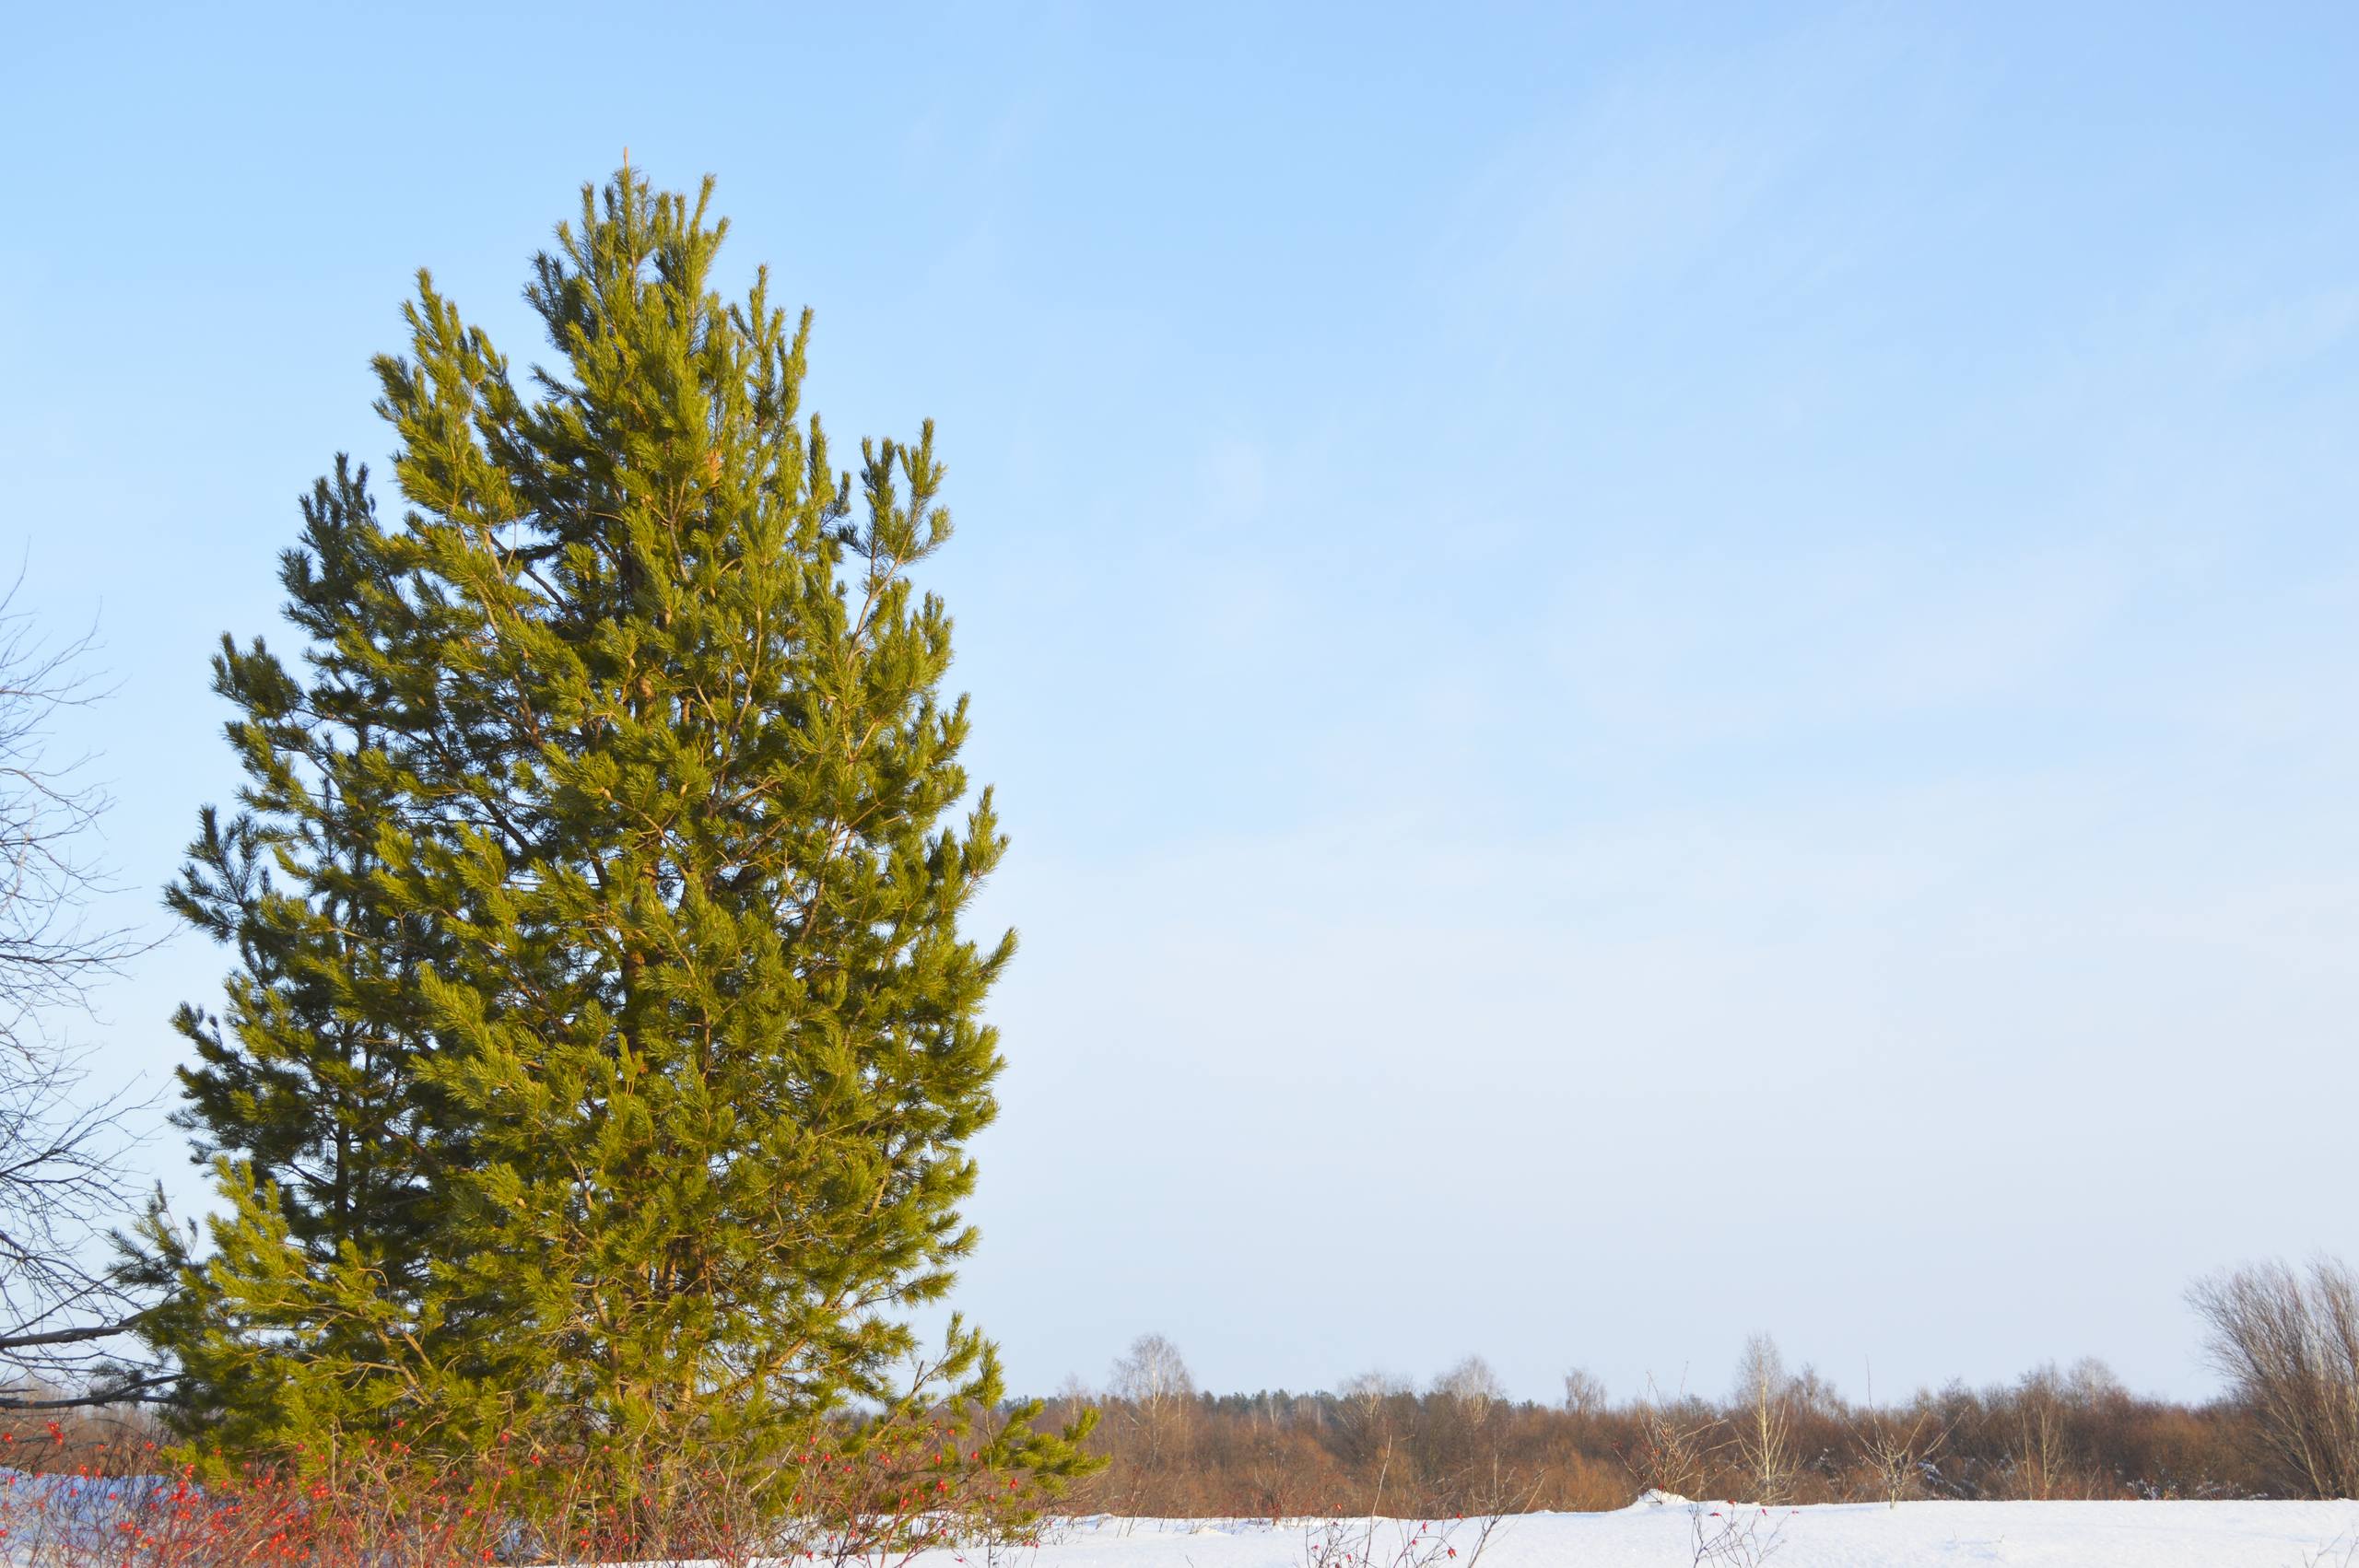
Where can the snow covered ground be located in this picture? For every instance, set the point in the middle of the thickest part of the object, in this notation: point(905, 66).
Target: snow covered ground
point(1663, 1534)
point(1914, 1534)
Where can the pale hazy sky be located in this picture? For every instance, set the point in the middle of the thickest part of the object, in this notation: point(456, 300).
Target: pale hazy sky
point(1656, 673)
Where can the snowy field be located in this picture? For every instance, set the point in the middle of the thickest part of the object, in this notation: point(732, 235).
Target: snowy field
point(1665, 1534)
point(1914, 1534)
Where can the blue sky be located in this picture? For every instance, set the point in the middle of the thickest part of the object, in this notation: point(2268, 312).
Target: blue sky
point(1659, 672)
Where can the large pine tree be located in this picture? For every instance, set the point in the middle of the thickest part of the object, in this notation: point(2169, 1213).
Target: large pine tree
point(604, 1043)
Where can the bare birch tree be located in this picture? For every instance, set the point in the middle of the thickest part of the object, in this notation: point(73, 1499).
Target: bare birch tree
point(1765, 1421)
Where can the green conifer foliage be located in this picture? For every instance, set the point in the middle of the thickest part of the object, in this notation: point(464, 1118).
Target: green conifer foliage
point(307, 1092)
point(604, 1043)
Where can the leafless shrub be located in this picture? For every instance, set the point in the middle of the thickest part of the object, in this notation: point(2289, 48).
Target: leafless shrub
point(2343, 1551)
point(1899, 1448)
point(2290, 1350)
point(1672, 1446)
point(1735, 1535)
point(872, 1496)
point(1458, 1542)
point(1397, 1543)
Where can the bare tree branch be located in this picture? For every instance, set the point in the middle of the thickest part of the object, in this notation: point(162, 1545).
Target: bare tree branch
point(64, 1185)
point(140, 1391)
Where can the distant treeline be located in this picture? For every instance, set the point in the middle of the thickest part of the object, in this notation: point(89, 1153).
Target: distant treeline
point(1462, 1446)
point(2286, 1343)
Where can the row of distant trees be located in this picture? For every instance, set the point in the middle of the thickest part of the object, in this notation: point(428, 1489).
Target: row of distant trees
point(2287, 1425)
